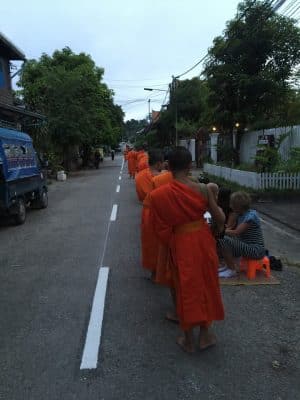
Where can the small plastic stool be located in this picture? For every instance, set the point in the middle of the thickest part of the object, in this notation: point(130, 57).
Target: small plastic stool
point(255, 265)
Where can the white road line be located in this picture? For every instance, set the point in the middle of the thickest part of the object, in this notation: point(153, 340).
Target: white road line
point(114, 211)
point(122, 165)
point(118, 189)
point(91, 348)
point(276, 228)
point(120, 178)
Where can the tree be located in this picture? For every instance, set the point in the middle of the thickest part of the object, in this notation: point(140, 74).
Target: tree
point(188, 110)
point(68, 89)
point(132, 127)
point(248, 69)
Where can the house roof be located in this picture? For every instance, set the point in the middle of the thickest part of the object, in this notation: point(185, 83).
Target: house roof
point(21, 111)
point(155, 115)
point(8, 49)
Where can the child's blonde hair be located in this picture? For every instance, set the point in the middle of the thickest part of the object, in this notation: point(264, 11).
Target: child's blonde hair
point(240, 200)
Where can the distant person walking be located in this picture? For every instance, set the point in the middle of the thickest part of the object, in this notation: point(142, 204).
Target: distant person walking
point(112, 153)
point(97, 159)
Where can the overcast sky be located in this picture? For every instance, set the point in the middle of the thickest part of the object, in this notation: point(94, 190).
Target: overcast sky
point(139, 43)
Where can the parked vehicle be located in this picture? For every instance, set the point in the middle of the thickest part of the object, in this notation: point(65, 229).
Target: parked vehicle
point(22, 180)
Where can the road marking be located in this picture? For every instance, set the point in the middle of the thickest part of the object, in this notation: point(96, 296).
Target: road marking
point(118, 189)
point(92, 343)
point(114, 211)
point(276, 228)
point(120, 178)
point(122, 164)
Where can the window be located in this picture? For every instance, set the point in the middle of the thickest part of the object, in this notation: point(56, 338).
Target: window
point(19, 156)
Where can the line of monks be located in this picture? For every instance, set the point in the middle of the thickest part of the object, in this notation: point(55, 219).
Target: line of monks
point(177, 245)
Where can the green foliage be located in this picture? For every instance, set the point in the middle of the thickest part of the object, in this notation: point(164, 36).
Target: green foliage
point(132, 127)
point(249, 68)
point(54, 162)
point(293, 163)
point(268, 158)
point(188, 108)
point(68, 89)
point(226, 154)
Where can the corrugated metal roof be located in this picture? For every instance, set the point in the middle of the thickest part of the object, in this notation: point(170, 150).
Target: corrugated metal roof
point(13, 52)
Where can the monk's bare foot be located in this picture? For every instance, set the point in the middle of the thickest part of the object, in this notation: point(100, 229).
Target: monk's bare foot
point(185, 345)
point(172, 316)
point(206, 339)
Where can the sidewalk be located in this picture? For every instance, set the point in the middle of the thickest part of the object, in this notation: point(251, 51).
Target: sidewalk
point(286, 212)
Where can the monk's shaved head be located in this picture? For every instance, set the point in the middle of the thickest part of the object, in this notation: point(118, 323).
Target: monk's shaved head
point(155, 156)
point(179, 159)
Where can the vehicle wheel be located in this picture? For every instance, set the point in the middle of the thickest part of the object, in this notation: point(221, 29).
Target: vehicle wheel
point(43, 199)
point(20, 217)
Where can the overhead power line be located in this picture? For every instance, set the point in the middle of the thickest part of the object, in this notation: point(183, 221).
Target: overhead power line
point(193, 67)
point(293, 10)
point(206, 55)
point(287, 8)
point(279, 4)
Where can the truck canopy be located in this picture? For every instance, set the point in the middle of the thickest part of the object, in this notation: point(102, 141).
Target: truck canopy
point(17, 156)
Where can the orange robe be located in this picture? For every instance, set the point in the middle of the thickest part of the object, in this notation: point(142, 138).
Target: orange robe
point(131, 163)
point(149, 240)
point(177, 215)
point(139, 155)
point(143, 162)
point(143, 183)
point(163, 274)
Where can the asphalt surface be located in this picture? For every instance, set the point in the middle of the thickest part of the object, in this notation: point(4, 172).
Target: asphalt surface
point(48, 274)
point(286, 212)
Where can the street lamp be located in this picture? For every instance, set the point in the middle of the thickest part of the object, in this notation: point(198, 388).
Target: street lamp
point(151, 89)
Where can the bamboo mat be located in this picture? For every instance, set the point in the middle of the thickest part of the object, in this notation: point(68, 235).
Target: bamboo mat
point(242, 279)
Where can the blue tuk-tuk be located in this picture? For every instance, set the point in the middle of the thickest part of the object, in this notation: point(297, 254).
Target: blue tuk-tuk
point(22, 181)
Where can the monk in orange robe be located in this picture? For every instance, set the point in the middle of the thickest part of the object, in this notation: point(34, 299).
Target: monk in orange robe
point(139, 155)
point(144, 185)
point(163, 272)
point(177, 210)
point(143, 162)
point(131, 163)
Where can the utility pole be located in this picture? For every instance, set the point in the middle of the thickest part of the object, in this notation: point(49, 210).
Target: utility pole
point(173, 87)
point(149, 114)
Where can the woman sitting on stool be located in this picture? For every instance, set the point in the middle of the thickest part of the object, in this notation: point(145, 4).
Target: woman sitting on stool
point(246, 239)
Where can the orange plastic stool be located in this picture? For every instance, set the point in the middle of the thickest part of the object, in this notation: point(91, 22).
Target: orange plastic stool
point(255, 265)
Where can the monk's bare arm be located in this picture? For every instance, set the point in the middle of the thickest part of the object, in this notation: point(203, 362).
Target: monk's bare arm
point(231, 221)
point(238, 230)
point(216, 212)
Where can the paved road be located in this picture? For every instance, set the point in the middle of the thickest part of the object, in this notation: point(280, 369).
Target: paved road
point(48, 274)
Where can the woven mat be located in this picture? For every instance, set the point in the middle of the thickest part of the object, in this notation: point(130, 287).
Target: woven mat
point(242, 279)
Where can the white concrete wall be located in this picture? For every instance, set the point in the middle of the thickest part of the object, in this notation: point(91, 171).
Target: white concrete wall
point(249, 142)
point(255, 180)
point(190, 144)
point(244, 178)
